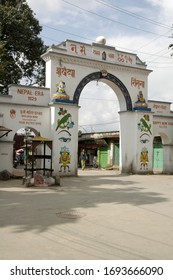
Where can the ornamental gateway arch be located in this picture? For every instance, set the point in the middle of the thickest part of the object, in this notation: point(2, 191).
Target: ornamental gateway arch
point(69, 67)
point(53, 111)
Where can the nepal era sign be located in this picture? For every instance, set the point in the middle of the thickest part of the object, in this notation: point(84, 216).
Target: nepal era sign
point(29, 95)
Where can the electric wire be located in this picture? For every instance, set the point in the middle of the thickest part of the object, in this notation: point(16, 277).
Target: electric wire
point(132, 14)
point(89, 39)
point(120, 47)
point(115, 7)
point(151, 41)
point(65, 32)
point(96, 124)
point(99, 99)
point(112, 20)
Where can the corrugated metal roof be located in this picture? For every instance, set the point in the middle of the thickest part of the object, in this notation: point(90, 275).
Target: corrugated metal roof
point(40, 138)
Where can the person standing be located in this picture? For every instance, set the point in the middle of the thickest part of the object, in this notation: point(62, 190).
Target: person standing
point(83, 158)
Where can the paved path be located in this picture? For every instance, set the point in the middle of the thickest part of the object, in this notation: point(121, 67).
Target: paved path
point(98, 215)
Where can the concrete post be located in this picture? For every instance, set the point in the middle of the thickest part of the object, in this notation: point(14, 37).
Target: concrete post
point(168, 158)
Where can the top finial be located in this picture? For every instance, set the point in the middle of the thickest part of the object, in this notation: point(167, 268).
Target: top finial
point(101, 40)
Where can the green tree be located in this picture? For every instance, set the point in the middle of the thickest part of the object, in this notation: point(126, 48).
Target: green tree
point(20, 44)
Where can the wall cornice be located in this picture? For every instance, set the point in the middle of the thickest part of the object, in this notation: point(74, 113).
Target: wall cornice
point(91, 63)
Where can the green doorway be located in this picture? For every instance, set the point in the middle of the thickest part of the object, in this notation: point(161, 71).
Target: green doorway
point(103, 157)
point(157, 154)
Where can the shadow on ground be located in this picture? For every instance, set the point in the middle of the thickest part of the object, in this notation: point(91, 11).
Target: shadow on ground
point(40, 208)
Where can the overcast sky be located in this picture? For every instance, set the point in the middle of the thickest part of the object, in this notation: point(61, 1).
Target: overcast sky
point(142, 27)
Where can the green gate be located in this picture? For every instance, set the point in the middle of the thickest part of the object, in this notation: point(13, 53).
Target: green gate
point(157, 156)
point(103, 157)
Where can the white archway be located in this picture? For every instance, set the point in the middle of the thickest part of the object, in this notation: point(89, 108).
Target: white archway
point(53, 111)
point(73, 65)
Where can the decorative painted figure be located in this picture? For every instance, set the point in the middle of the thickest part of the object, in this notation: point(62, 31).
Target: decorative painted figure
point(141, 103)
point(65, 159)
point(61, 93)
point(65, 121)
point(144, 159)
point(144, 125)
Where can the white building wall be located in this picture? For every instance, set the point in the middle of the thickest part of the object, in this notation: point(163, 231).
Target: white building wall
point(6, 156)
point(23, 107)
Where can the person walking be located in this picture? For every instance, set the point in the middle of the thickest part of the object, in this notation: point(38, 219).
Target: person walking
point(83, 158)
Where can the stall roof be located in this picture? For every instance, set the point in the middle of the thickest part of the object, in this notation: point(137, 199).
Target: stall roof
point(41, 139)
point(5, 130)
point(98, 135)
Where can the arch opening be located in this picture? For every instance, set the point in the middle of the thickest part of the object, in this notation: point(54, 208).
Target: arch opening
point(99, 108)
point(112, 81)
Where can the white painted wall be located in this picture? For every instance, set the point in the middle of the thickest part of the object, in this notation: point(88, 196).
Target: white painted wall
point(23, 107)
point(6, 155)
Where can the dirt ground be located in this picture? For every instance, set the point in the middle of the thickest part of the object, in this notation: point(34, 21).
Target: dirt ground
point(97, 215)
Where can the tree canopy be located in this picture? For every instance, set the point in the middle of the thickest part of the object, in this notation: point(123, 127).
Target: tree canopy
point(20, 44)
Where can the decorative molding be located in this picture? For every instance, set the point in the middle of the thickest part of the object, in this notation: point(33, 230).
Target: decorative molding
point(92, 63)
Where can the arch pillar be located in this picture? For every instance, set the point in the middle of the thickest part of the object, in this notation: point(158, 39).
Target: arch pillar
point(64, 132)
point(136, 142)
